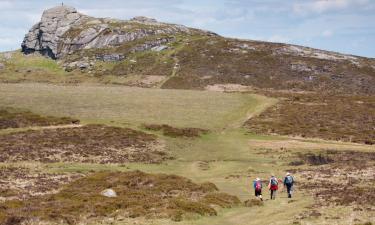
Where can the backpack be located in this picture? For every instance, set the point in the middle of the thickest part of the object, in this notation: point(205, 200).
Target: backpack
point(289, 180)
point(258, 186)
point(274, 181)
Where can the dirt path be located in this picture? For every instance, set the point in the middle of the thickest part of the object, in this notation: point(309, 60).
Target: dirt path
point(263, 103)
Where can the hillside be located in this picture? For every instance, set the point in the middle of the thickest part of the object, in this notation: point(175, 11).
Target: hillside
point(144, 52)
point(113, 122)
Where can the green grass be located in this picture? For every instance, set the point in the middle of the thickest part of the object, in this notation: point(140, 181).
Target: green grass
point(134, 106)
point(34, 62)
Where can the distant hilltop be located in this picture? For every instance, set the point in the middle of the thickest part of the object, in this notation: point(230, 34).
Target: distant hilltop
point(62, 30)
point(191, 58)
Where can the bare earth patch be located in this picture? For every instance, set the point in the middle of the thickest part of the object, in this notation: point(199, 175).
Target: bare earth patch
point(138, 195)
point(88, 144)
point(229, 88)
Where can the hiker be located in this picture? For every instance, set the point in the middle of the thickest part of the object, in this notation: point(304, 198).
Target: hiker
point(288, 182)
point(258, 188)
point(273, 186)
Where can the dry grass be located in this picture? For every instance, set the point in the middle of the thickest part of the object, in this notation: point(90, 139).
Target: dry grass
point(90, 144)
point(138, 195)
point(134, 106)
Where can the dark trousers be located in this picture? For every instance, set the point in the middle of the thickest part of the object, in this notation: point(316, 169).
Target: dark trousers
point(289, 189)
point(273, 194)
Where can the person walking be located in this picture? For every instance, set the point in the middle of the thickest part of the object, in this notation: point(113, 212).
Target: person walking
point(273, 186)
point(288, 183)
point(258, 188)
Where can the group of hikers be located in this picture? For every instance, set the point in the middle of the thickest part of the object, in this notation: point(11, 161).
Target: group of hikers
point(273, 186)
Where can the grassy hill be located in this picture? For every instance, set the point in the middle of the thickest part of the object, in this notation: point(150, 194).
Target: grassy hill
point(184, 120)
point(146, 53)
point(228, 155)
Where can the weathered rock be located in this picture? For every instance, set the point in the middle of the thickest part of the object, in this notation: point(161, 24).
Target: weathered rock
point(83, 65)
point(155, 45)
point(45, 35)
point(110, 57)
point(109, 193)
point(62, 31)
point(159, 48)
point(2, 66)
point(144, 19)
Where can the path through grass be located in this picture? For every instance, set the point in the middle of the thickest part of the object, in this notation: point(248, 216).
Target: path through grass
point(228, 156)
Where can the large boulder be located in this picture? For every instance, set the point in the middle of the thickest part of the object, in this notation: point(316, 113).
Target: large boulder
point(45, 36)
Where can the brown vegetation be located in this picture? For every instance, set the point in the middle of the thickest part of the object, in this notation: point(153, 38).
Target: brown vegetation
point(217, 60)
point(343, 118)
point(22, 182)
point(253, 202)
point(176, 132)
point(138, 195)
point(346, 178)
point(14, 118)
point(89, 144)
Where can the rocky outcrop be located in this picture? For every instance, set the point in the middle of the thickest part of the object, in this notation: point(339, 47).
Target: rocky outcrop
point(155, 45)
point(110, 57)
point(63, 31)
point(45, 36)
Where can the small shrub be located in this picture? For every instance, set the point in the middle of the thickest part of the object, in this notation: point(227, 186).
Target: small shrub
point(296, 163)
point(253, 202)
point(176, 132)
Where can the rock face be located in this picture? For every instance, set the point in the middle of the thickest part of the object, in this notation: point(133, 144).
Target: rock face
point(62, 31)
point(45, 36)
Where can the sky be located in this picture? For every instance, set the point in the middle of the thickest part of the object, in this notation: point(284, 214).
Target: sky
point(346, 26)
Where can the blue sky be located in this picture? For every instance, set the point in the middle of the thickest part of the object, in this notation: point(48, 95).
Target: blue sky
point(346, 26)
